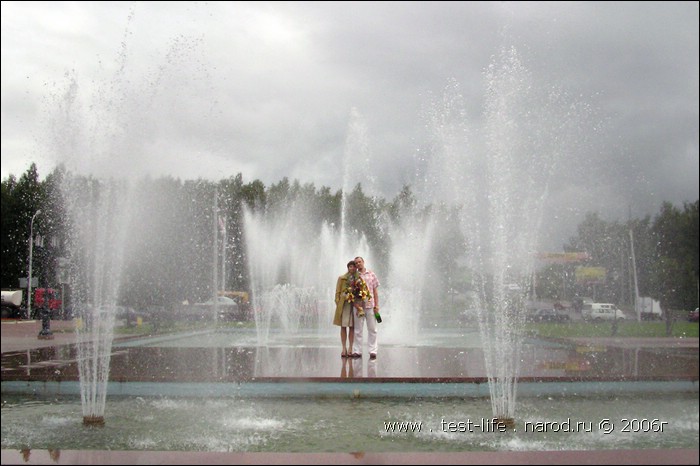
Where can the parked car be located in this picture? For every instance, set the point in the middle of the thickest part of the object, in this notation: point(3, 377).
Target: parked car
point(578, 302)
point(123, 314)
point(602, 311)
point(13, 312)
point(222, 300)
point(693, 315)
point(228, 308)
point(548, 315)
point(128, 315)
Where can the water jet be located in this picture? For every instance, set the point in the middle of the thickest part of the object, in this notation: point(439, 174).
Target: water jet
point(492, 196)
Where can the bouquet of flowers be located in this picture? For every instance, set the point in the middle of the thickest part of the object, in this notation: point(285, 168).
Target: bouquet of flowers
point(356, 291)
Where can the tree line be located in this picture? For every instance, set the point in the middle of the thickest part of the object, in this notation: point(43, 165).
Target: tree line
point(170, 255)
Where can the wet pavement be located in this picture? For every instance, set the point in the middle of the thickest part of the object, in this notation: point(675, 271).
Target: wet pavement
point(165, 358)
point(198, 357)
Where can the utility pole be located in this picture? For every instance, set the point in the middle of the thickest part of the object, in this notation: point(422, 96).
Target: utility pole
point(634, 270)
point(224, 239)
point(215, 256)
point(31, 252)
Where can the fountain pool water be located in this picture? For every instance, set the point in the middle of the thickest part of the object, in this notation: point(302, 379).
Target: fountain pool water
point(345, 423)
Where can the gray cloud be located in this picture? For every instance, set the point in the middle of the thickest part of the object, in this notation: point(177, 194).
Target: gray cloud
point(267, 89)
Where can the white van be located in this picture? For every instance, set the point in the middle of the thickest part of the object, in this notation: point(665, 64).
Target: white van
point(601, 311)
point(649, 308)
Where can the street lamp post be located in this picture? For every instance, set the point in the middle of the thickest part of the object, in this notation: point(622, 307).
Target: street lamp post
point(31, 251)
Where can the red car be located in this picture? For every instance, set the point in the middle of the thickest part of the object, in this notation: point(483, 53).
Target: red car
point(693, 315)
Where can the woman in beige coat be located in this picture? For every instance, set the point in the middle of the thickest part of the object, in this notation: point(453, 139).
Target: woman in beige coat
point(343, 310)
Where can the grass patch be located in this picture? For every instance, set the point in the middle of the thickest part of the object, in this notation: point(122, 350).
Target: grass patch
point(149, 328)
point(605, 329)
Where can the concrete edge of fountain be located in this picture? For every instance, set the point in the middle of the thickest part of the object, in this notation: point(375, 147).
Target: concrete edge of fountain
point(281, 388)
point(660, 456)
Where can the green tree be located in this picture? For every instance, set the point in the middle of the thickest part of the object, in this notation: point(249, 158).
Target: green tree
point(231, 206)
point(675, 234)
point(12, 241)
point(254, 195)
point(20, 201)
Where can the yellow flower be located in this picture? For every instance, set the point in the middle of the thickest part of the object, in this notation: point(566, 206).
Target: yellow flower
point(356, 290)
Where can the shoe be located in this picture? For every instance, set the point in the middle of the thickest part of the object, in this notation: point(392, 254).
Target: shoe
point(372, 356)
point(356, 355)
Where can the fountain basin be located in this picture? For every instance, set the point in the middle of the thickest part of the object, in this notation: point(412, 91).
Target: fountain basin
point(216, 392)
point(355, 388)
point(315, 423)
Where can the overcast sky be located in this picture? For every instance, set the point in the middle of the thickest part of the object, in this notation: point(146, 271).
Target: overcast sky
point(274, 90)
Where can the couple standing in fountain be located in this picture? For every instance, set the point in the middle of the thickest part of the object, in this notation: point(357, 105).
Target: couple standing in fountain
point(357, 303)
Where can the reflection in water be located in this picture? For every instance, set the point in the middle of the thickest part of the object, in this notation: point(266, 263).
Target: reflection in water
point(55, 454)
point(372, 368)
point(200, 358)
point(344, 374)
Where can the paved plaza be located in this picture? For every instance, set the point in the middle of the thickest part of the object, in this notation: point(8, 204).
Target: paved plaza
point(235, 356)
point(178, 358)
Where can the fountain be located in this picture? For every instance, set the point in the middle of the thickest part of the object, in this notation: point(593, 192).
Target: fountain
point(90, 131)
point(488, 185)
point(498, 180)
point(491, 198)
point(97, 251)
point(292, 253)
point(294, 256)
